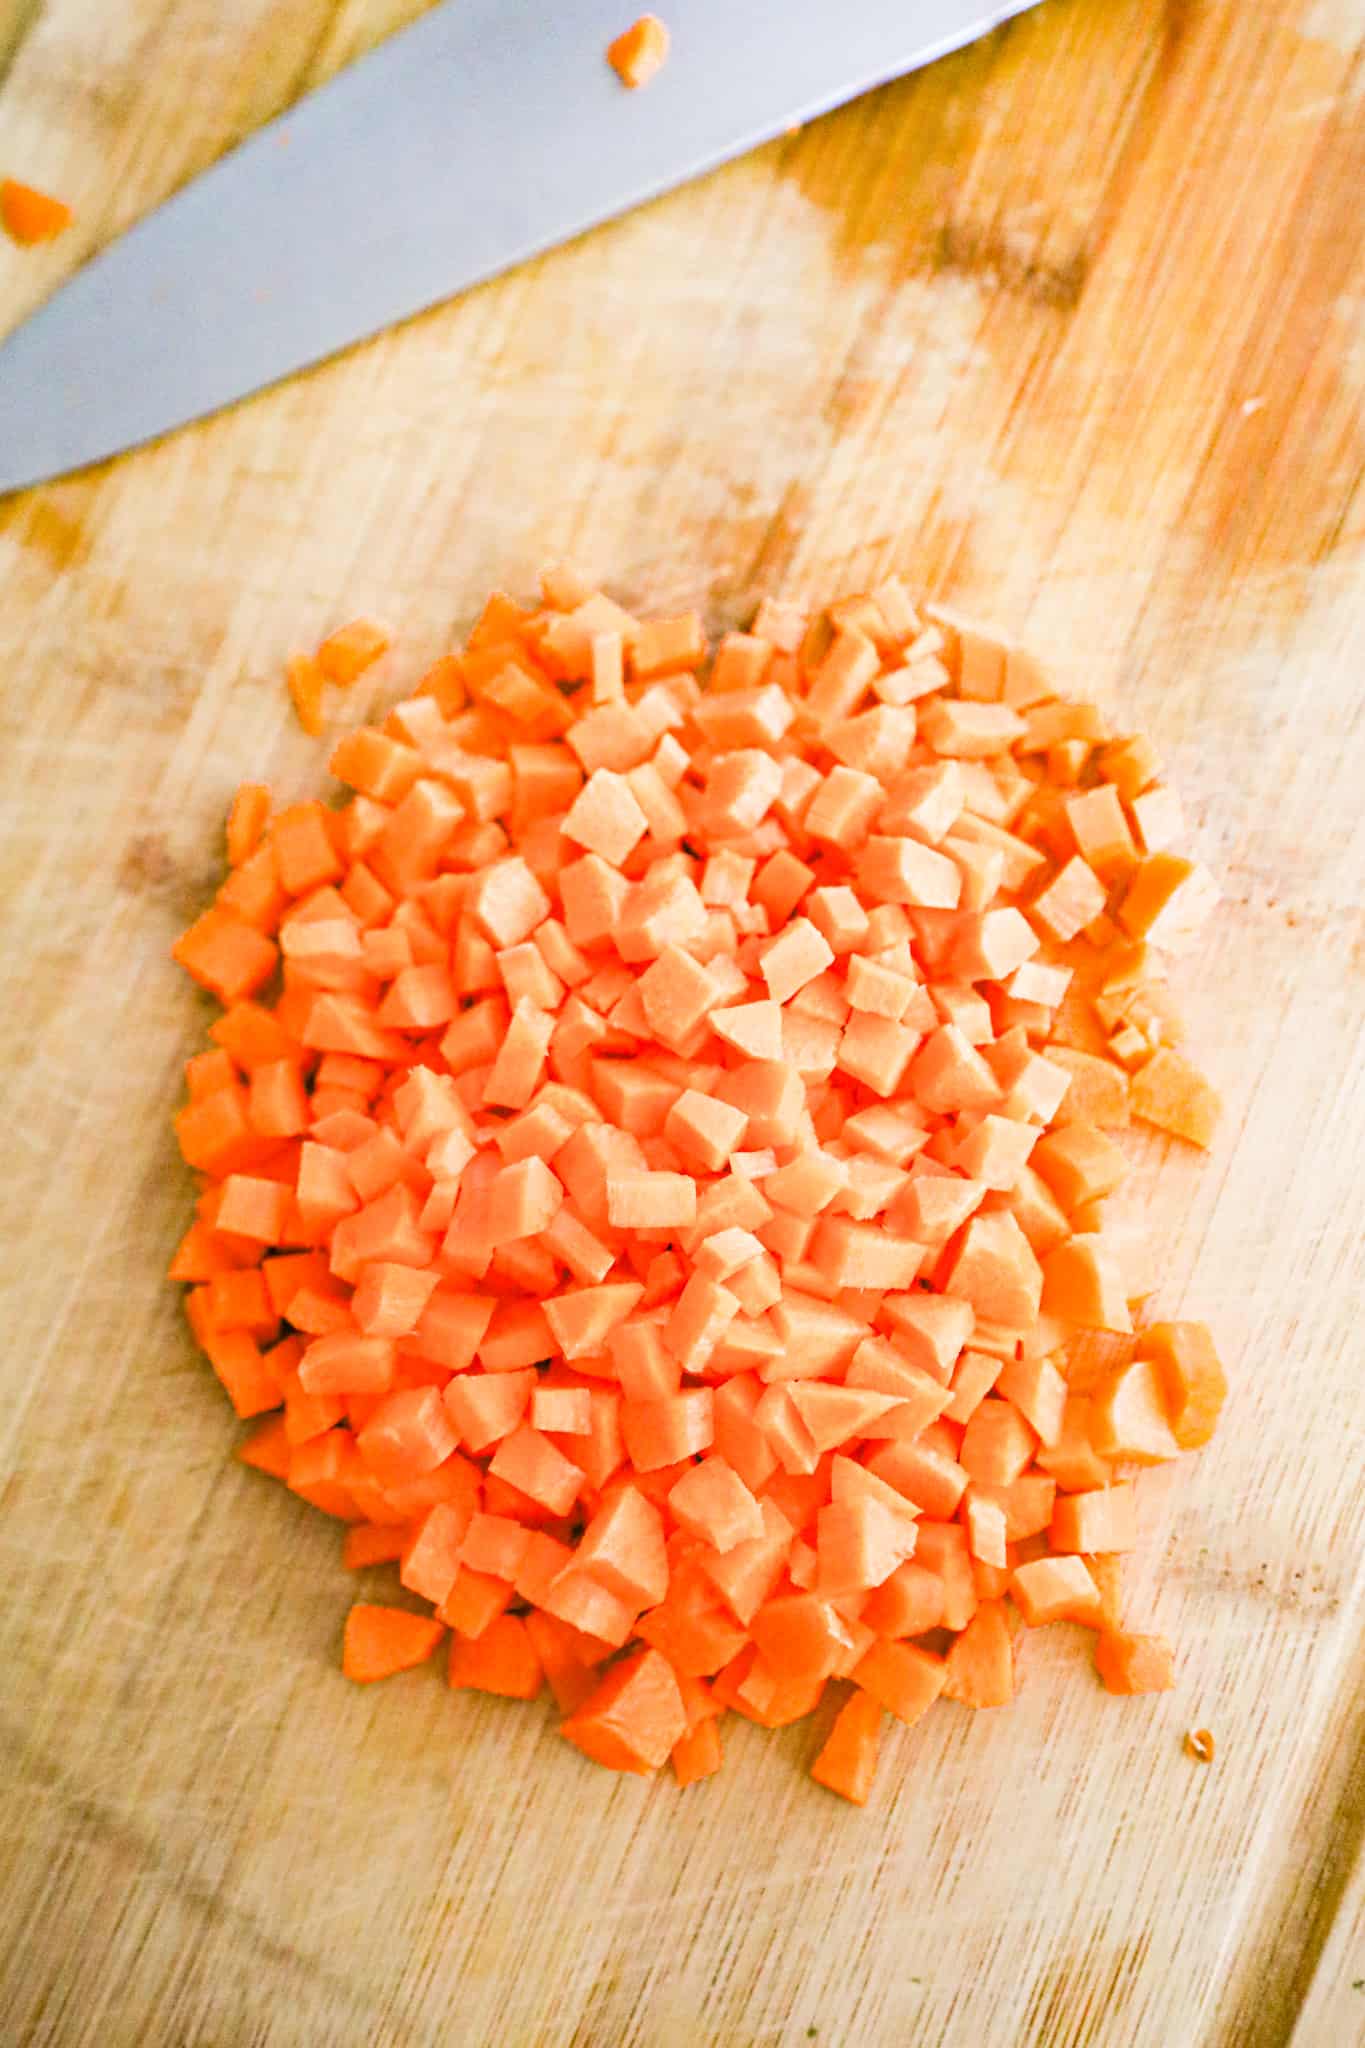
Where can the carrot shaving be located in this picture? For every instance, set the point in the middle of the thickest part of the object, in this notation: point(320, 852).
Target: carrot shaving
point(1198, 1744)
point(655, 1157)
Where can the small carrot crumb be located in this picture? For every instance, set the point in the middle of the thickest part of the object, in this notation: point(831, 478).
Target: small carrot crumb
point(1199, 1745)
point(641, 52)
point(304, 678)
point(31, 216)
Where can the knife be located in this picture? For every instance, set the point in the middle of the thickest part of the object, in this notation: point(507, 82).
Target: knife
point(488, 131)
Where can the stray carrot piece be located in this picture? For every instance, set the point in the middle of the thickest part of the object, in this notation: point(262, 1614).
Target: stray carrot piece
point(848, 1762)
point(381, 1640)
point(1198, 1744)
point(348, 652)
point(246, 820)
point(1132, 1664)
point(697, 1754)
point(31, 216)
point(304, 681)
point(640, 52)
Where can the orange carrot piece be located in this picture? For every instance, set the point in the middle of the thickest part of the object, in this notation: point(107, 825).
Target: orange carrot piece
point(635, 1717)
point(304, 682)
point(1129, 1416)
point(30, 216)
point(697, 1754)
point(268, 1449)
point(980, 1663)
point(502, 1660)
point(381, 1640)
point(1083, 1284)
point(902, 1678)
point(564, 1657)
point(247, 1378)
point(1132, 1664)
point(638, 54)
point(473, 1601)
point(350, 650)
point(1192, 1380)
point(246, 821)
point(229, 957)
point(1168, 1091)
point(848, 1762)
point(370, 1543)
point(909, 1603)
point(1100, 1520)
point(1055, 1589)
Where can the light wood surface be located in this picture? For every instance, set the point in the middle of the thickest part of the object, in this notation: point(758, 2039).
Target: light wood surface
point(1069, 330)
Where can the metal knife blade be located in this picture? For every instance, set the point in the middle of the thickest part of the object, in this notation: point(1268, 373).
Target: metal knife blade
point(487, 132)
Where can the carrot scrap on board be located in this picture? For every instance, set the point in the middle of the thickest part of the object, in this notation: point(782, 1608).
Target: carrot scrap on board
point(304, 681)
point(382, 1640)
point(1198, 1744)
point(350, 650)
point(30, 216)
point(340, 659)
point(640, 52)
point(655, 1160)
point(246, 820)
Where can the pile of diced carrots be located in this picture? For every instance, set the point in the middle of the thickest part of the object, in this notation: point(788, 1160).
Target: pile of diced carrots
point(654, 1158)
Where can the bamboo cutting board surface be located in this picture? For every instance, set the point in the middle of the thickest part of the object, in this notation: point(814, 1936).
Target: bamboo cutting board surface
point(1069, 331)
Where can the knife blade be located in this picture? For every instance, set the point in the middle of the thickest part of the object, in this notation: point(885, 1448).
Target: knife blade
point(487, 132)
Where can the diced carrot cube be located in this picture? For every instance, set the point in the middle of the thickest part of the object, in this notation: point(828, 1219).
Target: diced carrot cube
point(1133, 1664)
point(1083, 1283)
point(634, 1719)
point(1191, 1378)
point(350, 650)
point(848, 1762)
point(1055, 1589)
point(980, 1663)
point(902, 1678)
point(1168, 1091)
point(229, 957)
point(1102, 1520)
point(382, 1640)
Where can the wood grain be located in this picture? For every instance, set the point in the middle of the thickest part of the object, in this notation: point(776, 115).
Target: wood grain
point(1067, 329)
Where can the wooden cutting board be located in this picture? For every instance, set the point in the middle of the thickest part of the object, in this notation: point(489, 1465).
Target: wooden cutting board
point(1068, 330)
